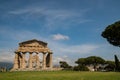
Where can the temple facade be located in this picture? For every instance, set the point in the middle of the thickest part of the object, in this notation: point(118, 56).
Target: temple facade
point(31, 47)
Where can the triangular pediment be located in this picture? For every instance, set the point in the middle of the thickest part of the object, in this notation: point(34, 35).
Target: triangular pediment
point(33, 43)
point(33, 46)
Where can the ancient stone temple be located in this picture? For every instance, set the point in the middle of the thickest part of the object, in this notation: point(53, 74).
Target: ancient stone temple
point(33, 63)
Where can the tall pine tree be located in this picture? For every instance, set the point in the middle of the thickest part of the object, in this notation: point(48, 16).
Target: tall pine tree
point(117, 65)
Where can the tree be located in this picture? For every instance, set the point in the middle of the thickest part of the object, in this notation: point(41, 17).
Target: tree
point(112, 34)
point(81, 61)
point(92, 60)
point(81, 65)
point(95, 61)
point(117, 64)
point(64, 64)
point(80, 68)
point(110, 65)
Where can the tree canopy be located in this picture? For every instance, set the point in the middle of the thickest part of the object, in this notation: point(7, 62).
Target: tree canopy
point(81, 61)
point(92, 60)
point(64, 64)
point(112, 33)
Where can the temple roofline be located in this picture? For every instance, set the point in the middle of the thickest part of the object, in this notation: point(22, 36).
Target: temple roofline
point(33, 40)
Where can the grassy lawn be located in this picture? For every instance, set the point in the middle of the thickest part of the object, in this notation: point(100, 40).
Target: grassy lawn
point(60, 75)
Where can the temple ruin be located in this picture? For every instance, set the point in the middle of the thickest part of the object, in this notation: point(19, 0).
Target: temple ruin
point(33, 63)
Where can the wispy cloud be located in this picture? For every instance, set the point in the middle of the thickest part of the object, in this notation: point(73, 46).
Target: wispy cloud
point(19, 35)
point(60, 37)
point(54, 18)
point(80, 49)
point(73, 49)
point(6, 55)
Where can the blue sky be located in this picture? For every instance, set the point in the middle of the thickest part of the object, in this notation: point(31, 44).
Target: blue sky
point(72, 28)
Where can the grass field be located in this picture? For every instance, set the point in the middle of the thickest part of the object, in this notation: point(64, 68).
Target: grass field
point(60, 75)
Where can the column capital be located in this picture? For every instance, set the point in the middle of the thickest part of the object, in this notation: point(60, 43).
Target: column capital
point(44, 52)
point(37, 52)
point(50, 52)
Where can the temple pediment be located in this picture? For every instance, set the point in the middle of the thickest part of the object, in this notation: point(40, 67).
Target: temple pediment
point(33, 42)
point(33, 46)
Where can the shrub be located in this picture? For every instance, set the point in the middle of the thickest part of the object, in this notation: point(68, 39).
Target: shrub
point(80, 68)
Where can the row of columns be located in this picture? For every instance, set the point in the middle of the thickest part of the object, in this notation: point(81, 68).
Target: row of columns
point(20, 61)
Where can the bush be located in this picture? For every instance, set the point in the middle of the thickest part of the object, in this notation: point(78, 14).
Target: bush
point(80, 68)
point(109, 68)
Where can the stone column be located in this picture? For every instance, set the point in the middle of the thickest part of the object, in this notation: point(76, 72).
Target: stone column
point(44, 61)
point(20, 60)
point(16, 61)
point(51, 60)
point(23, 61)
point(30, 60)
point(37, 61)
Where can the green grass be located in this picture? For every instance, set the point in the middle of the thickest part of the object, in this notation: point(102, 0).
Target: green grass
point(60, 75)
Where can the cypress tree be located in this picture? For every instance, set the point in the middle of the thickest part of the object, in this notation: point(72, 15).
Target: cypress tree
point(117, 65)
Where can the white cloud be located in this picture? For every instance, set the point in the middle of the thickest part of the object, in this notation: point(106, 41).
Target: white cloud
point(6, 55)
point(60, 37)
point(80, 49)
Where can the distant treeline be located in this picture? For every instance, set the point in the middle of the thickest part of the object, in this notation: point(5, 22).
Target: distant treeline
point(5, 66)
point(93, 63)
